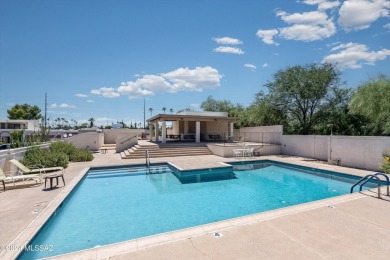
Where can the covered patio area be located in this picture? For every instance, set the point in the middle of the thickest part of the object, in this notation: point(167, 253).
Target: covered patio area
point(192, 126)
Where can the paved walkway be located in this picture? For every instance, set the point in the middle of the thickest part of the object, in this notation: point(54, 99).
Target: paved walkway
point(355, 226)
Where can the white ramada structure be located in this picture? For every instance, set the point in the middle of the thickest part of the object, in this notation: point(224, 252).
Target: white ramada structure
point(192, 126)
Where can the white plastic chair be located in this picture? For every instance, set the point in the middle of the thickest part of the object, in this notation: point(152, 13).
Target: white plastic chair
point(237, 153)
point(249, 152)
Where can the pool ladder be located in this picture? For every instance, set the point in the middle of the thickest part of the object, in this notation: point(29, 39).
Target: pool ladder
point(147, 157)
point(369, 177)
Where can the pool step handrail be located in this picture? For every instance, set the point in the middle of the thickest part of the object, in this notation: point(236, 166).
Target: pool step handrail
point(376, 174)
point(370, 177)
point(147, 158)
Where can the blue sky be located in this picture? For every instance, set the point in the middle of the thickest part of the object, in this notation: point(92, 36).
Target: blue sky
point(101, 59)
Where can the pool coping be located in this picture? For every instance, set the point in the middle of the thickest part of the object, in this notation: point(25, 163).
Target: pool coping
point(29, 232)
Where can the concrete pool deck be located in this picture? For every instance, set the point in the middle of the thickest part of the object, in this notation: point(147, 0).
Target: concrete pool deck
point(349, 226)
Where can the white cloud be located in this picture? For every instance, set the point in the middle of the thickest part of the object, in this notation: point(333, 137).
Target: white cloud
point(322, 4)
point(81, 95)
point(195, 106)
point(251, 66)
point(227, 41)
point(387, 26)
point(196, 79)
point(267, 35)
point(307, 32)
point(182, 79)
point(308, 26)
point(355, 55)
point(359, 14)
point(314, 17)
point(63, 105)
point(90, 101)
point(106, 92)
point(265, 65)
point(226, 49)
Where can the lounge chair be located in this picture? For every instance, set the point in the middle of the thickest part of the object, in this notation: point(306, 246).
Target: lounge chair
point(14, 178)
point(25, 170)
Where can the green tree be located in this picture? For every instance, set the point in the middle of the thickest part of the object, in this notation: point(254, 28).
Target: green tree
point(261, 112)
point(233, 110)
point(371, 99)
point(151, 112)
point(213, 105)
point(171, 110)
point(24, 112)
point(303, 91)
point(91, 122)
point(164, 109)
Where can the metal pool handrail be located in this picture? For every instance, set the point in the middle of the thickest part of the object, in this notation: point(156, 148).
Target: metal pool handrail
point(376, 174)
point(371, 176)
point(147, 158)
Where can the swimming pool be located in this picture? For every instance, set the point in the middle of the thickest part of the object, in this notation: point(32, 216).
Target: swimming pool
point(117, 204)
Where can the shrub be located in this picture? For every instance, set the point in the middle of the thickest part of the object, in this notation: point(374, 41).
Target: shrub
point(386, 163)
point(58, 154)
point(80, 155)
point(45, 157)
point(74, 154)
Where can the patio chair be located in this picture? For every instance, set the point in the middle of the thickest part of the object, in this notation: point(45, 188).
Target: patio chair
point(237, 153)
point(249, 151)
point(37, 168)
point(14, 178)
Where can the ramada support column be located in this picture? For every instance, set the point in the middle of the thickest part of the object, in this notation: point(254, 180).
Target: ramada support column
point(231, 129)
point(197, 133)
point(164, 132)
point(150, 131)
point(156, 128)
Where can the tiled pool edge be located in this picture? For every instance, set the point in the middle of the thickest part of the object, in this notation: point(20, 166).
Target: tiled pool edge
point(28, 233)
point(104, 252)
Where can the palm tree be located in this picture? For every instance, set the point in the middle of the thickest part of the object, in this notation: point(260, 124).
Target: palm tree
point(171, 110)
point(151, 111)
point(91, 121)
point(164, 109)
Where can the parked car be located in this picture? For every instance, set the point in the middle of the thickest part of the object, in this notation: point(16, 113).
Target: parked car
point(5, 146)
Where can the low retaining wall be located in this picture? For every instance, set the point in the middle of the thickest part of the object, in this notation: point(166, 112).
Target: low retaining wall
point(17, 153)
point(259, 149)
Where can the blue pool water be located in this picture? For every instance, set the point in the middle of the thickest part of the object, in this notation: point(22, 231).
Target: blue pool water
point(113, 205)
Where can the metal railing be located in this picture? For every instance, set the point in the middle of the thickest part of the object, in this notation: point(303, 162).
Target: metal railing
point(368, 178)
point(147, 157)
point(126, 139)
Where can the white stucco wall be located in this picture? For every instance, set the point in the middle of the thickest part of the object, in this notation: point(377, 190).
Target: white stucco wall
point(311, 146)
point(360, 151)
point(227, 151)
point(17, 153)
point(363, 152)
point(260, 134)
point(93, 140)
point(110, 135)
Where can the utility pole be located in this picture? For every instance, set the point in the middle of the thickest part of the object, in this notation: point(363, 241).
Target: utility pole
point(45, 111)
point(144, 113)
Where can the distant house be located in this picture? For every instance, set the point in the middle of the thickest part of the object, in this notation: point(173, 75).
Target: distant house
point(192, 126)
point(6, 125)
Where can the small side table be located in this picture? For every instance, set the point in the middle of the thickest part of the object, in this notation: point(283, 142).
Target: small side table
point(56, 176)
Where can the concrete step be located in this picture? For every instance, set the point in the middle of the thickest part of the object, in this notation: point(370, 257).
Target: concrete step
point(108, 146)
point(165, 150)
point(164, 155)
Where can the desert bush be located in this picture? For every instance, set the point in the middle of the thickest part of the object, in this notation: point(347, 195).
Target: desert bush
point(386, 163)
point(58, 154)
point(74, 154)
point(81, 155)
point(45, 157)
